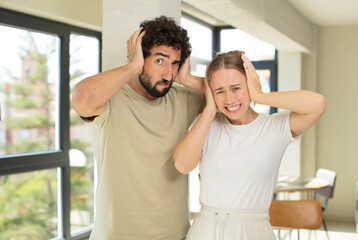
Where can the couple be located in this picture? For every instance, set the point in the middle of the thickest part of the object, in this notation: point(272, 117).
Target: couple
point(140, 121)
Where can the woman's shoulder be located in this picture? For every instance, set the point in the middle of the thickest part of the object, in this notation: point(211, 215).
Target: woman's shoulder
point(276, 120)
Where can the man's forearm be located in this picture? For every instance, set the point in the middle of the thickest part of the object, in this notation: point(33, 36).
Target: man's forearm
point(91, 94)
point(194, 82)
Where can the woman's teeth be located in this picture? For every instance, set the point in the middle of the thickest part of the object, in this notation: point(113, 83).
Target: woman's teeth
point(231, 109)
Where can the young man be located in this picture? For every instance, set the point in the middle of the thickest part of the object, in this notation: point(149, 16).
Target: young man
point(137, 123)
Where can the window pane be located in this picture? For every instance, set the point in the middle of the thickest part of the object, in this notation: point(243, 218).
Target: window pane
point(255, 49)
point(28, 205)
point(201, 39)
point(265, 87)
point(84, 61)
point(29, 77)
point(198, 69)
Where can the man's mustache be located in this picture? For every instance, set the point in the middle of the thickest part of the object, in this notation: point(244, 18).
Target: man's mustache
point(163, 81)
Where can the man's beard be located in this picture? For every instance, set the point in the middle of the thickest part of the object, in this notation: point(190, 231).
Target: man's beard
point(144, 79)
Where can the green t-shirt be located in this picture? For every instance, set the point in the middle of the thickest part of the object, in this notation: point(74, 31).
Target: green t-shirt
point(140, 195)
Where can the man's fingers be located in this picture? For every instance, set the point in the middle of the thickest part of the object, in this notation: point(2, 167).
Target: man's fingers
point(140, 37)
point(134, 36)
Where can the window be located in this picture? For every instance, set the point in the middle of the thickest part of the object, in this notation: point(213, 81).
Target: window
point(201, 40)
point(46, 159)
point(255, 49)
point(28, 205)
point(84, 62)
point(29, 91)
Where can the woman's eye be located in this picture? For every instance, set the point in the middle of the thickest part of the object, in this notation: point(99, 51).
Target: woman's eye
point(236, 88)
point(219, 92)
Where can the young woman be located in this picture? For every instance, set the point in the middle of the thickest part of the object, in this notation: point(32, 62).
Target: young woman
point(240, 150)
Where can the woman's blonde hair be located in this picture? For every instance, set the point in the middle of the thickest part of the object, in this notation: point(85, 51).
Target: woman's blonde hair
point(229, 60)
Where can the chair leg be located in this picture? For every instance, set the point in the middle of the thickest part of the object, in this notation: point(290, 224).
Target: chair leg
point(279, 235)
point(324, 225)
point(325, 228)
point(298, 234)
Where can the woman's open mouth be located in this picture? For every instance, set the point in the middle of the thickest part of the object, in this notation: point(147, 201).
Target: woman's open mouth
point(234, 109)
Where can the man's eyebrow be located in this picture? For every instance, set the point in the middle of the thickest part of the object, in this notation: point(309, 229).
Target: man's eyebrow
point(167, 56)
point(161, 54)
point(220, 88)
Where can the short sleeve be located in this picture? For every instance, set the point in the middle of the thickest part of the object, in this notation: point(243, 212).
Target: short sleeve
point(282, 121)
point(100, 120)
point(196, 104)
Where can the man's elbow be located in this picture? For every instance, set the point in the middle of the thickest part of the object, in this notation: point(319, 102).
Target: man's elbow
point(80, 100)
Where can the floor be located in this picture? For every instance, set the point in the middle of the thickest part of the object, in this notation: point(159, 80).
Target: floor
point(336, 231)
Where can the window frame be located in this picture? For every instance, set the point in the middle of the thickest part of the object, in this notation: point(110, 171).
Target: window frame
point(196, 60)
point(54, 159)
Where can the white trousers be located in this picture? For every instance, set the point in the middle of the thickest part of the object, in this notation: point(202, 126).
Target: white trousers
point(223, 224)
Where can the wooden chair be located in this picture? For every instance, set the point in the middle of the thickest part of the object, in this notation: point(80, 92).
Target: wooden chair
point(326, 193)
point(296, 214)
point(356, 217)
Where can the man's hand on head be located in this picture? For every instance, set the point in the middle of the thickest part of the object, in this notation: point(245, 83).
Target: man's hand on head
point(134, 48)
point(183, 74)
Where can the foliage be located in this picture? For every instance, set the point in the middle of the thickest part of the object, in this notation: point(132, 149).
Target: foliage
point(26, 145)
point(28, 201)
point(75, 119)
point(20, 103)
point(36, 120)
point(76, 74)
point(23, 90)
point(32, 206)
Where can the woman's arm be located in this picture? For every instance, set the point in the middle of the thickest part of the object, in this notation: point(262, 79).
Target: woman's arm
point(306, 106)
point(188, 151)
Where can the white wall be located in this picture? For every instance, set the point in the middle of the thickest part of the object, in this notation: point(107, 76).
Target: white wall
point(122, 18)
point(337, 131)
point(289, 75)
point(82, 13)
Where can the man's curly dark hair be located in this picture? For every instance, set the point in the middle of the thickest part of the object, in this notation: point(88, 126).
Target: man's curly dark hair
point(164, 31)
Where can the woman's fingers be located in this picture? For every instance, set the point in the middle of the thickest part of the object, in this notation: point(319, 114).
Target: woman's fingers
point(249, 67)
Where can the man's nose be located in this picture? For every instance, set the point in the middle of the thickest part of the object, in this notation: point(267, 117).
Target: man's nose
point(167, 74)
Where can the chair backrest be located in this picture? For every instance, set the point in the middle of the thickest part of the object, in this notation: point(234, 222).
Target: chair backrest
point(356, 206)
point(331, 177)
point(298, 214)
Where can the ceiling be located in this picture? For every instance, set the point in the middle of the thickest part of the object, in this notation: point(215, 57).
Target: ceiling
point(328, 12)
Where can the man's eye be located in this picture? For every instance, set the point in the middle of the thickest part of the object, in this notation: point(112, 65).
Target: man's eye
point(176, 64)
point(219, 92)
point(159, 61)
point(236, 88)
